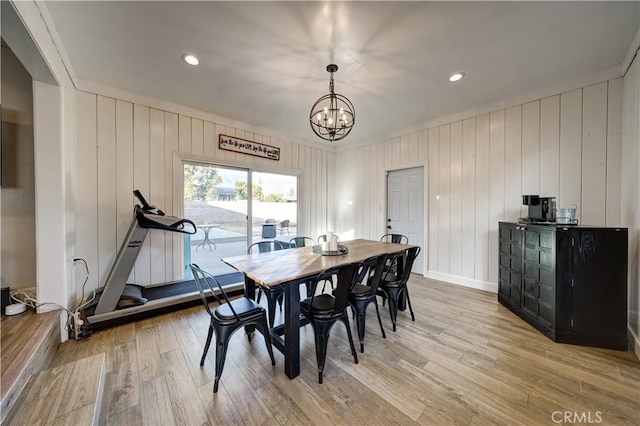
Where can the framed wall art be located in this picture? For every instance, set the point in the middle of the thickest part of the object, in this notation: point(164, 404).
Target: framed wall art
point(243, 146)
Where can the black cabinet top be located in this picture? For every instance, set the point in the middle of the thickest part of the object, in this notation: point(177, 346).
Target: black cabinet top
point(565, 226)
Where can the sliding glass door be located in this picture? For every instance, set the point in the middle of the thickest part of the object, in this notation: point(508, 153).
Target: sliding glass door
point(233, 208)
point(274, 206)
point(214, 201)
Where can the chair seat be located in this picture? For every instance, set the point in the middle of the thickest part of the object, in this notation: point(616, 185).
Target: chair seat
point(244, 307)
point(360, 290)
point(322, 305)
point(391, 281)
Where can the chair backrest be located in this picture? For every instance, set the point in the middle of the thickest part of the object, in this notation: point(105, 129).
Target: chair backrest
point(378, 263)
point(346, 280)
point(284, 223)
point(395, 238)
point(323, 238)
point(270, 221)
point(207, 282)
point(408, 256)
point(265, 246)
point(302, 242)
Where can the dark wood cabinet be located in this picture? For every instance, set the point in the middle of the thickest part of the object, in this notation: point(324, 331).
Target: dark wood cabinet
point(569, 282)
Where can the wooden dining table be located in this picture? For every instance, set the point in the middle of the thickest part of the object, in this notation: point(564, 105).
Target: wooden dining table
point(290, 268)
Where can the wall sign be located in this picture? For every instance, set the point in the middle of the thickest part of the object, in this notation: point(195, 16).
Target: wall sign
point(243, 146)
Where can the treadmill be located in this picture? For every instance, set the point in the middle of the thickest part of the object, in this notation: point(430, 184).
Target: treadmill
point(118, 302)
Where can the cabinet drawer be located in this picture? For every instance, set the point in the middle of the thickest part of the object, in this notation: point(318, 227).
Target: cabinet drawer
point(532, 238)
point(546, 293)
point(530, 303)
point(503, 288)
point(547, 277)
point(531, 271)
point(547, 258)
point(531, 254)
point(531, 287)
point(505, 274)
point(515, 296)
point(505, 231)
point(545, 313)
point(547, 239)
point(516, 278)
point(505, 247)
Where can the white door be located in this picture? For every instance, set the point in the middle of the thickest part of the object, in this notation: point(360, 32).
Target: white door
point(405, 208)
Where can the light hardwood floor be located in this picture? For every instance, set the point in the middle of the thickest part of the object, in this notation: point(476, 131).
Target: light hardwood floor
point(465, 360)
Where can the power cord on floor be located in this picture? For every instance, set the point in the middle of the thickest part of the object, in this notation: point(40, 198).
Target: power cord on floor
point(27, 297)
point(75, 325)
point(79, 327)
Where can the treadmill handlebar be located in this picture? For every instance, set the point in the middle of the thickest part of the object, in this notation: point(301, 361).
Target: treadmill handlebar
point(150, 217)
point(166, 223)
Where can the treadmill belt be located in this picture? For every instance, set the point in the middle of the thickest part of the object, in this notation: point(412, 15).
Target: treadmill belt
point(160, 292)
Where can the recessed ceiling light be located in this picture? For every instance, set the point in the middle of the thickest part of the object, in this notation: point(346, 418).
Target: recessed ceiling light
point(456, 77)
point(190, 59)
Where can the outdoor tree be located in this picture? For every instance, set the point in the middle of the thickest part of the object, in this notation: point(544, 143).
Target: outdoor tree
point(241, 190)
point(256, 193)
point(274, 198)
point(200, 182)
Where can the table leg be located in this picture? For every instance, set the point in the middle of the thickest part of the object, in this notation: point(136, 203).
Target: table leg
point(292, 330)
point(249, 292)
point(206, 240)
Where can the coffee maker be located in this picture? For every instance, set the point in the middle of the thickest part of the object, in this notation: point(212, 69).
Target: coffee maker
point(541, 209)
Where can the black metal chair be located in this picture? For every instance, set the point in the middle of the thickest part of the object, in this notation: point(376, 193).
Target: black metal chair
point(297, 242)
point(392, 286)
point(228, 317)
point(392, 264)
point(395, 238)
point(284, 225)
point(324, 310)
point(301, 242)
point(364, 294)
point(273, 294)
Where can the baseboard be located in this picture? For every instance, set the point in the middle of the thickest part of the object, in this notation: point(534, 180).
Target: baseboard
point(462, 281)
point(635, 342)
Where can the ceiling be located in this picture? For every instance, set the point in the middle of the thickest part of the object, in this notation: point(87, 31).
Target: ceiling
point(264, 63)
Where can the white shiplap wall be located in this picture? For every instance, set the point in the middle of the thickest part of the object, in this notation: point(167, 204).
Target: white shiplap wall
point(567, 145)
point(124, 145)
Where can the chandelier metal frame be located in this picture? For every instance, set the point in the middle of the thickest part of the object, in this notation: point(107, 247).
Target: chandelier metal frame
point(333, 115)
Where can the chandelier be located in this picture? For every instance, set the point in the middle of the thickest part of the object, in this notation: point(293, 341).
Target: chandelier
point(333, 115)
